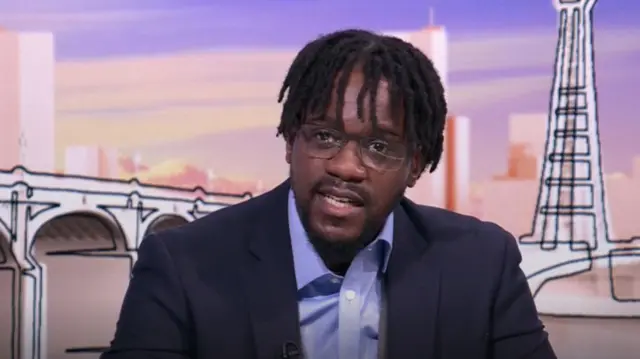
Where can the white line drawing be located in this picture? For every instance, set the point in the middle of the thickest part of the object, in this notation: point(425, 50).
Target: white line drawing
point(28, 201)
point(571, 231)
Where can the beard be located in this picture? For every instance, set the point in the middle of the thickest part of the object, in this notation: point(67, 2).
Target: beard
point(337, 255)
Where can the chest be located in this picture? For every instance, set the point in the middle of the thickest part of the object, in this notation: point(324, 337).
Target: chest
point(343, 321)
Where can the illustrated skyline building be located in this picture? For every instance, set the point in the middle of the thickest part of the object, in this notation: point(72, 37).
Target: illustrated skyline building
point(27, 108)
point(433, 41)
point(522, 163)
point(456, 163)
point(528, 133)
point(92, 161)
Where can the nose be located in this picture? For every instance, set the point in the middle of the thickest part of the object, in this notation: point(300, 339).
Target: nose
point(347, 164)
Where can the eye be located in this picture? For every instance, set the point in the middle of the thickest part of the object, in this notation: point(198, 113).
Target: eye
point(379, 147)
point(324, 136)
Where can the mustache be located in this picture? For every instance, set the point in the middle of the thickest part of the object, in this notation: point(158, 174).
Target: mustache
point(328, 182)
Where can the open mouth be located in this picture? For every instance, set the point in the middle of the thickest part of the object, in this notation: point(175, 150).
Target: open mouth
point(341, 202)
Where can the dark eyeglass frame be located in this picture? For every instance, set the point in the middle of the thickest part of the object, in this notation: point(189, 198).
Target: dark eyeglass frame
point(374, 160)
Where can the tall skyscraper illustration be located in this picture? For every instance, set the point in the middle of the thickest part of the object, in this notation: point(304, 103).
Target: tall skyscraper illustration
point(27, 100)
point(571, 205)
point(456, 164)
point(571, 231)
point(433, 41)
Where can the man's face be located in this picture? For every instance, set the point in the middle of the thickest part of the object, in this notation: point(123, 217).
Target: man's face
point(342, 199)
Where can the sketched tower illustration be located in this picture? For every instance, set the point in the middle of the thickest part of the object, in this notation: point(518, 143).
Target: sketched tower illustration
point(570, 225)
point(571, 204)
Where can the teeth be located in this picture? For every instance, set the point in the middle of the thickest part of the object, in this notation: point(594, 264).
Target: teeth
point(339, 199)
point(338, 202)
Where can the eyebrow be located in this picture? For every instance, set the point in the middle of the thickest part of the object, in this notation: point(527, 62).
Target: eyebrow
point(387, 131)
point(382, 126)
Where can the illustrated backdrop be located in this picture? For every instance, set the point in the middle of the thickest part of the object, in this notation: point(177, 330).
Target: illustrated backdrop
point(121, 117)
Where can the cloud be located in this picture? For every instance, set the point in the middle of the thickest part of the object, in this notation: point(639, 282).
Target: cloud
point(534, 50)
point(162, 125)
point(255, 75)
point(83, 20)
point(58, 22)
point(526, 48)
point(177, 97)
point(174, 123)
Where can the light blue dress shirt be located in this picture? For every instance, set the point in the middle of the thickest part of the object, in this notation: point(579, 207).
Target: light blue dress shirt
point(339, 316)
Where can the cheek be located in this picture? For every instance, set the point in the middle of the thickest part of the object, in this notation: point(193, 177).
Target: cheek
point(299, 164)
point(388, 189)
point(305, 171)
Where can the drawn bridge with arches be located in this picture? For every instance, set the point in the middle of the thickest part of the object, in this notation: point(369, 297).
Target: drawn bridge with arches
point(38, 205)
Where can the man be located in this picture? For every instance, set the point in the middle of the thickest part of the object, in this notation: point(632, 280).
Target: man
point(335, 262)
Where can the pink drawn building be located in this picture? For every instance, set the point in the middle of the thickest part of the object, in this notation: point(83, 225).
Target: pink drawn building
point(510, 198)
point(511, 201)
point(623, 194)
point(457, 164)
point(27, 106)
point(449, 186)
point(92, 161)
point(528, 133)
point(432, 40)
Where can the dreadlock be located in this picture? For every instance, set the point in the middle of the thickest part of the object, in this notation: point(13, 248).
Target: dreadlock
point(415, 88)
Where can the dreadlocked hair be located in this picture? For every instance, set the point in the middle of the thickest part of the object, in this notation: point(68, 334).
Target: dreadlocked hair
point(326, 63)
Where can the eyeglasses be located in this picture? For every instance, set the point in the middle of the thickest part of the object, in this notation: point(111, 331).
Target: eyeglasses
point(377, 154)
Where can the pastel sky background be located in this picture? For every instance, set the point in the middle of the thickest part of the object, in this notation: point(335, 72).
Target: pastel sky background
point(501, 62)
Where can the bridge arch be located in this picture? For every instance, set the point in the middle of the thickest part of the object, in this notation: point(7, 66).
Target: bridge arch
point(4, 229)
point(6, 255)
point(48, 222)
point(86, 270)
point(165, 221)
point(8, 276)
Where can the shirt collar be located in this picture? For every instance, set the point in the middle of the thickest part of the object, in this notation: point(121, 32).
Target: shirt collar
point(307, 263)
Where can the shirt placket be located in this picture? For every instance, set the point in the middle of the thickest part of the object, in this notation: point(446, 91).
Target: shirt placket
point(352, 296)
point(349, 321)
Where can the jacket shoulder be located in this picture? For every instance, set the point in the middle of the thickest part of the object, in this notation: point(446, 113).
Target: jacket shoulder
point(465, 231)
point(219, 231)
point(472, 251)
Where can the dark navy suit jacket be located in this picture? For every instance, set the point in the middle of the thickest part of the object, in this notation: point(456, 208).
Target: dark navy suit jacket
point(223, 287)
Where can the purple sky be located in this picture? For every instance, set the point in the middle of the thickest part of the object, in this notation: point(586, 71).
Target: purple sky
point(179, 25)
point(198, 24)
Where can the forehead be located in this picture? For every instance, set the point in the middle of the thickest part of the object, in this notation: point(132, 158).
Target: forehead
point(355, 85)
point(386, 116)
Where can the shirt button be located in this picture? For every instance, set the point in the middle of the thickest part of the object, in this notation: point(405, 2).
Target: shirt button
point(350, 295)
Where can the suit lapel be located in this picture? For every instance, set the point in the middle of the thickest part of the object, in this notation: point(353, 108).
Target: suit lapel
point(413, 284)
point(270, 281)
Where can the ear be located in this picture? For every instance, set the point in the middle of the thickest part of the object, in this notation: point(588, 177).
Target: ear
point(288, 150)
point(415, 170)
